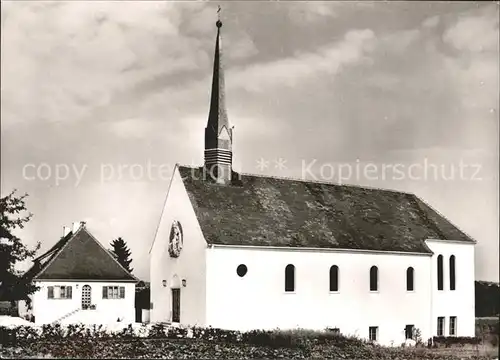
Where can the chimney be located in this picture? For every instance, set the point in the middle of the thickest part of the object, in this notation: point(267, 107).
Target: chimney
point(66, 230)
point(76, 226)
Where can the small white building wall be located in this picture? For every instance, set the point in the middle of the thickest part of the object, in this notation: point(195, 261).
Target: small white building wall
point(190, 265)
point(461, 301)
point(107, 311)
point(258, 300)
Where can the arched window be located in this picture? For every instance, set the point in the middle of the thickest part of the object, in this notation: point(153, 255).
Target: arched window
point(452, 272)
point(373, 278)
point(409, 279)
point(334, 278)
point(290, 278)
point(440, 272)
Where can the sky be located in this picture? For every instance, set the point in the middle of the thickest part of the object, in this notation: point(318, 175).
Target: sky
point(99, 100)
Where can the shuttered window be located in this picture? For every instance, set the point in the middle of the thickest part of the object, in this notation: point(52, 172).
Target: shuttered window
point(59, 292)
point(113, 292)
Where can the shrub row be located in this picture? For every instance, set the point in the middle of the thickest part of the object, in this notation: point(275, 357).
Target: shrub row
point(277, 338)
point(448, 341)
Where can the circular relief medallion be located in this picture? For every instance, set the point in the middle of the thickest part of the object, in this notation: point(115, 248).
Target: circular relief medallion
point(175, 242)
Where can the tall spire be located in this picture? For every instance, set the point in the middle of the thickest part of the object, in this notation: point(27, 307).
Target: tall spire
point(218, 134)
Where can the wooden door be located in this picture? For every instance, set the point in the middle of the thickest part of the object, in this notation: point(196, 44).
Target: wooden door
point(176, 305)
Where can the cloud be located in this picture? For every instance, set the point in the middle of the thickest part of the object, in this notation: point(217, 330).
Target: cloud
point(475, 33)
point(290, 71)
point(241, 48)
point(431, 22)
point(309, 12)
point(131, 128)
point(73, 57)
point(475, 68)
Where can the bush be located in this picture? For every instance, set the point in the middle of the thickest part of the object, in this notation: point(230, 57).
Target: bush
point(157, 331)
point(448, 341)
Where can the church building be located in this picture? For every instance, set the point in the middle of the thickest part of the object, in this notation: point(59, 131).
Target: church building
point(243, 252)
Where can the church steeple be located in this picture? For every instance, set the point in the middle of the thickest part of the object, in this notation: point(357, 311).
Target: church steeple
point(218, 133)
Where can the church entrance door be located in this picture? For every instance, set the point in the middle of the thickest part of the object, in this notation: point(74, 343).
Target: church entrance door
point(176, 305)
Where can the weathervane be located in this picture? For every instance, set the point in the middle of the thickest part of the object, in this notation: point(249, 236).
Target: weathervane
point(218, 23)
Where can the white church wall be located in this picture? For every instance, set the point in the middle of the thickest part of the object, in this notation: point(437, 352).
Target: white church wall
point(190, 265)
point(259, 300)
point(107, 311)
point(461, 301)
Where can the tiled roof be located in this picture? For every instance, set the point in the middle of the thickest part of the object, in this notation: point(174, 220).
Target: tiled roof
point(78, 256)
point(268, 211)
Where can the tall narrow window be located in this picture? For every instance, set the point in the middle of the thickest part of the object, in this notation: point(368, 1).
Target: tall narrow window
point(440, 326)
point(409, 279)
point(334, 278)
point(373, 333)
point(373, 278)
point(290, 278)
point(440, 272)
point(453, 326)
point(452, 272)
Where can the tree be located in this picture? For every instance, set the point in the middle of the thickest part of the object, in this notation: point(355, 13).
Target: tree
point(13, 285)
point(122, 253)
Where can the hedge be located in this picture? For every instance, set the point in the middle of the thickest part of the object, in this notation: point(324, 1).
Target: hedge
point(165, 341)
point(277, 338)
point(448, 341)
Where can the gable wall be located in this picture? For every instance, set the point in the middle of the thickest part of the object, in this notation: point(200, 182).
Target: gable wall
point(48, 310)
point(190, 265)
point(461, 301)
point(258, 299)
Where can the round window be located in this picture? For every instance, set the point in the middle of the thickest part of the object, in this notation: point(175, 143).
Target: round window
point(241, 270)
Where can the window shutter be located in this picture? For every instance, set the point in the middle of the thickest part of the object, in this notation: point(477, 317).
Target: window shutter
point(104, 292)
point(69, 292)
point(50, 292)
point(122, 292)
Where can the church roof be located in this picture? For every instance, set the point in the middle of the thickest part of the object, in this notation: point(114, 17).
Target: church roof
point(269, 211)
point(78, 256)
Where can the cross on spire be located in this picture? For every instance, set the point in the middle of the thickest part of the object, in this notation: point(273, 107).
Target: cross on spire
point(218, 23)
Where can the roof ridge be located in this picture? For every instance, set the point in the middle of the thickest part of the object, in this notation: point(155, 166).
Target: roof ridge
point(423, 214)
point(110, 255)
point(176, 168)
point(290, 178)
point(57, 253)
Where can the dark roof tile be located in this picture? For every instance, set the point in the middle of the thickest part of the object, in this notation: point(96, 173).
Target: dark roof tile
point(268, 211)
point(78, 256)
